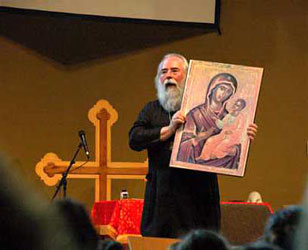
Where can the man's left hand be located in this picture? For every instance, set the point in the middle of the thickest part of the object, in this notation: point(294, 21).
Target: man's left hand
point(252, 131)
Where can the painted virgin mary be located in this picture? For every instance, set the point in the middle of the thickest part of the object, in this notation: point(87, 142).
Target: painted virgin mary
point(201, 123)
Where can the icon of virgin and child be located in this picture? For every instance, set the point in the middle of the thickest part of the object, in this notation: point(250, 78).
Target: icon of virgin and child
point(212, 132)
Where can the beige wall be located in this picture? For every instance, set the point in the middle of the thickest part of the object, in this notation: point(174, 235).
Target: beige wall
point(44, 104)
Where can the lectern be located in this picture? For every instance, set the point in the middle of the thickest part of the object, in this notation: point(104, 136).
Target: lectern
point(149, 243)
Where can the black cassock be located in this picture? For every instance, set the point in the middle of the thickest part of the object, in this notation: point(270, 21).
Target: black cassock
point(176, 200)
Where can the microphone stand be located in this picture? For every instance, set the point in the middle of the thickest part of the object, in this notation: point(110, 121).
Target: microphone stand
point(63, 181)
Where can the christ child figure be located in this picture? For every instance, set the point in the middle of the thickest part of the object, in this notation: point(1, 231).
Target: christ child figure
point(223, 144)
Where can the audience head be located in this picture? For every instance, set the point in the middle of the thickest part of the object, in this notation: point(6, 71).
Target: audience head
point(109, 245)
point(26, 222)
point(255, 197)
point(78, 223)
point(174, 246)
point(282, 225)
point(258, 245)
point(203, 239)
point(20, 213)
point(301, 242)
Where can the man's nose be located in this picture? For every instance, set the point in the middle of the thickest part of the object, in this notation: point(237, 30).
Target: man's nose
point(169, 75)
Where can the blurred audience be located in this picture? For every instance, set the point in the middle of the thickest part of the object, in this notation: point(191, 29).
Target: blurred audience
point(78, 222)
point(26, 222)
point(109, 245)
point(202, 239)
point(258, 245)
point(301, 242)
point(281, 227)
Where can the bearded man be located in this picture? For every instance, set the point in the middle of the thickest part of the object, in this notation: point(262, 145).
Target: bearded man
point(176, 200)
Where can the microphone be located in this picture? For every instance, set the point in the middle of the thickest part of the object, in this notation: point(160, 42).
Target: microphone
point(82, 136)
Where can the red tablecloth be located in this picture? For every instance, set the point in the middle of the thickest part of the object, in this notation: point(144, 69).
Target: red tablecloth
point(120, 218)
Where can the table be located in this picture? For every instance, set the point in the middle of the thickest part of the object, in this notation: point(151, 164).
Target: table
point(118, 218)
point(121, 218)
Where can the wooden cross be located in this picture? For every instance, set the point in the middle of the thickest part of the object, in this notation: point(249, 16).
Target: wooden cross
point(103, 170)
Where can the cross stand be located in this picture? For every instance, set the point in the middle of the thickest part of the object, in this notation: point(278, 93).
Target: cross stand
point(63, 181)
point(102, 170)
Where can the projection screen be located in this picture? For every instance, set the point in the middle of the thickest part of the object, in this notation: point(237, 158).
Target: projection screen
point(195, 11)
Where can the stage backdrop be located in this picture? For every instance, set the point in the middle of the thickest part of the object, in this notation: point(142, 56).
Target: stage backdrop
point(200, 11)
point(44, 103)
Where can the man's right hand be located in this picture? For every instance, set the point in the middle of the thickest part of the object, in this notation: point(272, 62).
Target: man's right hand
point(177, 120)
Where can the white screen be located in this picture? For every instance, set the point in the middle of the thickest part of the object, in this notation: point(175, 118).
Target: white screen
point(200, 11)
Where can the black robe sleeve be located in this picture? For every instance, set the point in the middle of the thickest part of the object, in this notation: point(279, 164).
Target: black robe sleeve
point(143, 133)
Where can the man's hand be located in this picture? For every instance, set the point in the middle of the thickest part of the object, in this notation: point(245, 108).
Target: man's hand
point(177, 120)
point(252, 131)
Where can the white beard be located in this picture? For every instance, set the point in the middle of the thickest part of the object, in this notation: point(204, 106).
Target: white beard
point(171, 97)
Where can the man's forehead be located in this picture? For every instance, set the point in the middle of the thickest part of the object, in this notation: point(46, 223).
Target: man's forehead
point(172, 62)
